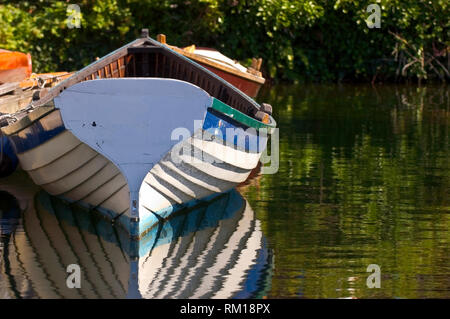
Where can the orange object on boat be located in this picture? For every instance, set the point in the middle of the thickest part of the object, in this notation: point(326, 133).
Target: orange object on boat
point(14, 66)
point(41, 80)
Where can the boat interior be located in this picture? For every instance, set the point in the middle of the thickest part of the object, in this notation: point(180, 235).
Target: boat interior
point(146, 57)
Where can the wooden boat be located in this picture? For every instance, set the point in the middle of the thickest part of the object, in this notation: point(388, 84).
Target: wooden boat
point(248, 80)
point(214, 250)
point(118, 136)
point(15, 96)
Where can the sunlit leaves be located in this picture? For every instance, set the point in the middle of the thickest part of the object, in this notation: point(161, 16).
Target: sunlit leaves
point(315, 40)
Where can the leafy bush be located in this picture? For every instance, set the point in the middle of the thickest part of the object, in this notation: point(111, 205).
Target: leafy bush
point(315, 40)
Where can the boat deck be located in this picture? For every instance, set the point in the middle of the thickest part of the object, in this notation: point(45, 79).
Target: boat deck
point(15, 96)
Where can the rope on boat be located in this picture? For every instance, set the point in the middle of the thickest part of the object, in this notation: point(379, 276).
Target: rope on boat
point(39, 81)
point(14, 117)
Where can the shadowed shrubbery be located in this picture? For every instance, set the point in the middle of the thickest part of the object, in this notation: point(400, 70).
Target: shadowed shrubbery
point(314, 40)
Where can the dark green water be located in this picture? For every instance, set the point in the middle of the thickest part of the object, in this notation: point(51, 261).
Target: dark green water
point(364, 178)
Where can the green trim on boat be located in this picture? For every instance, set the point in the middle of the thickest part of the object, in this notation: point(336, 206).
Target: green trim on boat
point(241, 117)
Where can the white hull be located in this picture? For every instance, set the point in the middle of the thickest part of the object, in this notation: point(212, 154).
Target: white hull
point(63, 166)
point(114, 146)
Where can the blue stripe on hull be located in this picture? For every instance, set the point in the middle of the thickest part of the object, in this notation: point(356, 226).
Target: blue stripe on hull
point(219, 207)
point(150, 220)
point(38, 133)
point(233, 132)
point(8, 158)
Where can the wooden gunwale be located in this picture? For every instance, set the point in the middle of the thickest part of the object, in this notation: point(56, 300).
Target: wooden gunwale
point(29, 119)
point(199, 59)
point(84, 73)
point(241, 117)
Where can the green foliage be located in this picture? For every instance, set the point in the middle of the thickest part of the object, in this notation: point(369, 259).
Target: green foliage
point(413, 39)
point(299, 40)
point(40, 27)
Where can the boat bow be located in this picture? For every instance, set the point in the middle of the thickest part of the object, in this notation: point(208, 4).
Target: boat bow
point(130, 121)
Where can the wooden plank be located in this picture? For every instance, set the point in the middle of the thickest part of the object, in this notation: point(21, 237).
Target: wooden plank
point(13, 75)
point(208, 62)
point(9, 87)
point(29, 119)
point(14, 103)
point(110, 70)
point(120, 67)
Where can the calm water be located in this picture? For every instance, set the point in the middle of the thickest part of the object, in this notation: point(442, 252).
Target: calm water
point(214, 250)
point(364, 178)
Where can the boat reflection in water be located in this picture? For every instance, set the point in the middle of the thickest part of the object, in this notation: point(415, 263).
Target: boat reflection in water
point(214, 250)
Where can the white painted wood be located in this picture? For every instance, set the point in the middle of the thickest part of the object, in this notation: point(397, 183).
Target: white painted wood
point(77, 177)
point(69, 162)
point(49, 151)
point(130, 120)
